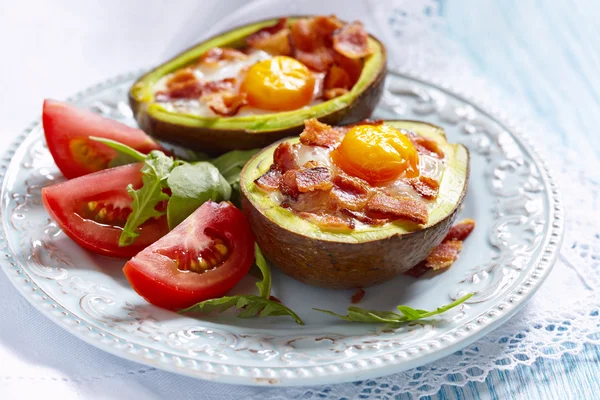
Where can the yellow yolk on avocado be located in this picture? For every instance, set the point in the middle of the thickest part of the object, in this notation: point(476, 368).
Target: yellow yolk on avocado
point(278, 84)
point(377, 154)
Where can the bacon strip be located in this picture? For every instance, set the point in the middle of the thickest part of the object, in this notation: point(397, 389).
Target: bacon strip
point(273, 39)
point(312, 41)
point(328, 221)
point(444, 255)
point(311, 179)
point(225, 103)
point(461, 230)
point(269, 181)
point(426, 186)
point(319, 134)
point(318, 60)
point(426, 145)
point(447, 252)
point(395, 208)
point(284, 157)
point(352, 41)
point(358, 295)
point(295, 182)
point(185, 85)
point(217, 54)
point(350, 194)
point(288, 185)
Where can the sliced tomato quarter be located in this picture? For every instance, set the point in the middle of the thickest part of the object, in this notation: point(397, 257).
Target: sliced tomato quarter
point(202, 258)
point(93, 209)
point(67, 129)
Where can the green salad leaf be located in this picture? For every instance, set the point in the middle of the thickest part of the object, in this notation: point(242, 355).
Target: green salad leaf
point(230, 165)
point(191, 185)
point(156, 170)
point(125, 154)
point(407, 314)
point(250, 306)
point(264, 285)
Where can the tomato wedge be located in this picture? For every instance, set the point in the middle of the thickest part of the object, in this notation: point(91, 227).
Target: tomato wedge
point(92, 210)
point(68, 128)
point(202, 258)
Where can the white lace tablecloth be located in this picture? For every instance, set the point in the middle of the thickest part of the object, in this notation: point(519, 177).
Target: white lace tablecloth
point(53, 49)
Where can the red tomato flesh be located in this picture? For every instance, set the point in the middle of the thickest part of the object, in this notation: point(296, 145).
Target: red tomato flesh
point(202, 258)
point(68, 128)
point(92, 210)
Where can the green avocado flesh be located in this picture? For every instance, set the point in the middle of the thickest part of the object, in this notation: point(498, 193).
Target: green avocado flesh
point(452, 187)
point(143, 94)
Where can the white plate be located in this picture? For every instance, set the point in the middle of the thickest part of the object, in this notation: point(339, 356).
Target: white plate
point(511, 196)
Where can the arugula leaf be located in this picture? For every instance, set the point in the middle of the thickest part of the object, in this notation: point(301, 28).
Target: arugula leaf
point(264, 286)
point(250, 305)
point(357, 314)
point(230, 165)
point(192, 185)
point(125, 154)
point(155, 172)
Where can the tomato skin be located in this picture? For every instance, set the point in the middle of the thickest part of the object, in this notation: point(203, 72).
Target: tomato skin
point(64, 200)
point(66, 126)
point(156, 277)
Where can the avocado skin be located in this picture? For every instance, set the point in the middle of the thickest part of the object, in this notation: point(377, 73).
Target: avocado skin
point(217, 141)
point(337, 265)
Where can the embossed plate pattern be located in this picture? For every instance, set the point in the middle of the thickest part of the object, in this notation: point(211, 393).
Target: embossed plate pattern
point(511, 196)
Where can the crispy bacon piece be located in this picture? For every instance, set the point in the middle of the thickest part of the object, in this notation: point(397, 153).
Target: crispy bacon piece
point(274, 39)
point(288, 185)
point(312, 41)
point(358, 295)
point(362, 217)
point(284, 157)
point(319, 134)
point(336, 78)
point(269, 181)
point(444, 255)
point(426, 145)
point(225, 103)
point(352, 41)
point(309, 34)
point(328, 221)
point(295, 181)
point(342, 200)
point(353, 67)
point(185, 85)
point(214, 56)
point(461, 230)
point(426, 186)
point(313, 202)
point(182, 85)
point(351, 194)
point(319, 59)
point(447, 252)
point(311, 179)
point(352, 184)
point(394, 208)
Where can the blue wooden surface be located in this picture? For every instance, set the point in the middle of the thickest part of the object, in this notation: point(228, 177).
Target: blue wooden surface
point(545, 54)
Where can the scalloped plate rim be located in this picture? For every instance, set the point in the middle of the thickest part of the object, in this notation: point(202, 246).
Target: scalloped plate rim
point(543, 265)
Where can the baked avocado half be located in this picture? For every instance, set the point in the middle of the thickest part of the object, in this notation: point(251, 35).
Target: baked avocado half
point(220, 134)
point(366, 256)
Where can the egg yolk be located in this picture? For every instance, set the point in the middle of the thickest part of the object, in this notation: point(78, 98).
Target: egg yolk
point(278, 84)
point(377, 154)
